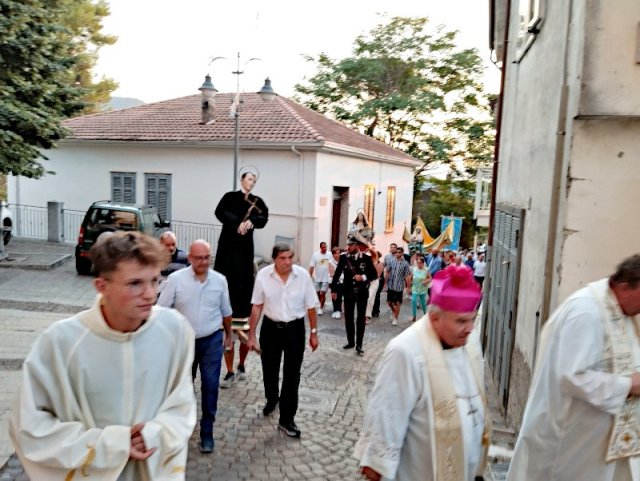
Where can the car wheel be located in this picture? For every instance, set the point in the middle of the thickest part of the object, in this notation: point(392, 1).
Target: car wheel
point(83, 266)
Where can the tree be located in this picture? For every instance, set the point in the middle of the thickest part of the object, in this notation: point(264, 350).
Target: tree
point(412, 88)
point(42, 62)
point(83, 19)
point(446, 197)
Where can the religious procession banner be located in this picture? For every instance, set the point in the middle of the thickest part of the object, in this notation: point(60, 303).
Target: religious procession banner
point(456, 225)
point(443, 240)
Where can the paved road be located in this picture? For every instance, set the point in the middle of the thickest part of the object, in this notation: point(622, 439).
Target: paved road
point(333, 391)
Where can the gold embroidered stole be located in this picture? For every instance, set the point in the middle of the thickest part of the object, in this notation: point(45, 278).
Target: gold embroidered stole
point(624, 440)
point(446, 430)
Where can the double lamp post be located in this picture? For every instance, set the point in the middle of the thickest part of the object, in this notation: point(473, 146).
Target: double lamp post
point(208, 93)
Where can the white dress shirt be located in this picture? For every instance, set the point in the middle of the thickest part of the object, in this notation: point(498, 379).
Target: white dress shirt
point(204, 304)
point(284, 301)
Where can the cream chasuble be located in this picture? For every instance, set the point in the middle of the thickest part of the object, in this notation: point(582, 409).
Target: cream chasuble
point(399, 431)
point(578, 391)
point(85, 385)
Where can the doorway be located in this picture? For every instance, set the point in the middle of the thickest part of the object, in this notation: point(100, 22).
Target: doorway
point(339, 221)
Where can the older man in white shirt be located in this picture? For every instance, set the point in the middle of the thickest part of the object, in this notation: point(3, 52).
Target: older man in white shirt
point(202, 296)
point(285, 293)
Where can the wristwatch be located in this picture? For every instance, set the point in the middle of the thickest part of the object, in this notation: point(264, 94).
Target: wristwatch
point(314, 331)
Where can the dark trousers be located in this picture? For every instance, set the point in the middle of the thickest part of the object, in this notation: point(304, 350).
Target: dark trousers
point(208, 357)
point(375, 312)
point(276, 339)
point(337, 302)
point(358, 301)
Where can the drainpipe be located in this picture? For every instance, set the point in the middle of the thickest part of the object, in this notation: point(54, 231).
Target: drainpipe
point(300, 199)
point(554, 213)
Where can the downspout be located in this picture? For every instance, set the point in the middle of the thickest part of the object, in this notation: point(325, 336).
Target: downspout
point(554, 213)
point(300, 200)
point(494, 178)
point(496, 148)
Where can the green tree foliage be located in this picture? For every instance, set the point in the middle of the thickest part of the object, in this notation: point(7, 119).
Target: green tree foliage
point(42, 66)
point(83, 20)
point(411, 87)
point(444, 197)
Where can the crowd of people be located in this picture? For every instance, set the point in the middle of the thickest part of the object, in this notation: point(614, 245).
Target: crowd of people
point(108, 393)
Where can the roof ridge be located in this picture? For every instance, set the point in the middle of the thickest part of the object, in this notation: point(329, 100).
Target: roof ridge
point(310, 128)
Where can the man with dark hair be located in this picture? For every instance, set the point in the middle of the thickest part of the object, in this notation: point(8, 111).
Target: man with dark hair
point(319, 271)
point(284, 292)
point(582, 420)
point(202, 296)
point(108, 393)
point(358, 272)
point(397, 275)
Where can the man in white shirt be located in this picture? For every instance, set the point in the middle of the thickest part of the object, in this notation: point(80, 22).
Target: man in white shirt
point(479, 270)
point(107, 394)
point(284, 293)
point(319, 270)
point(582, 420)
point(426, 415)
point(202, 296)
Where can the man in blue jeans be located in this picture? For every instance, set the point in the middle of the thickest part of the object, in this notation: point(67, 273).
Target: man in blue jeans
point(202, 296)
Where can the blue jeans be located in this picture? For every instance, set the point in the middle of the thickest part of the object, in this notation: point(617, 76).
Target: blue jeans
point(208, 357)
point(414, 303)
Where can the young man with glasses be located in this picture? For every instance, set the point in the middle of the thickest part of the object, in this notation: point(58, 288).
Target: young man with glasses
point(107, 393)
point(202, 296)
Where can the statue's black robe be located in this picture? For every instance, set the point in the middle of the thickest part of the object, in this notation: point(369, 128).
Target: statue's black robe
point(234, 257)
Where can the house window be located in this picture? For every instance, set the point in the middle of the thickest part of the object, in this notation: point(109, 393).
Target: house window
point(158, 193)
point(123, 187)
point(369, 202)
point(530, 15)
point(391, 209)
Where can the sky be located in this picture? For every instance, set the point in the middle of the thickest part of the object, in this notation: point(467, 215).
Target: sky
point(164, 47)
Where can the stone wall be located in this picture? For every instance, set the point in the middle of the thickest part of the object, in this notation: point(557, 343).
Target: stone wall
point(519, 388)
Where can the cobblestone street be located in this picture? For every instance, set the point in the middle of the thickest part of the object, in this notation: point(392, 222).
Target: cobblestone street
point(248, 446)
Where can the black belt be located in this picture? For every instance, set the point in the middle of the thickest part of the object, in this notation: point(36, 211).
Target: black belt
point(281, 324)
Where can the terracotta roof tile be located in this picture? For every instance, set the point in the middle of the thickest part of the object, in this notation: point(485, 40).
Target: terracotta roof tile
point(178, 120)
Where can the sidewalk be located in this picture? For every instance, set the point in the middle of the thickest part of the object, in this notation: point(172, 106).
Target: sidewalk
point(333, 391)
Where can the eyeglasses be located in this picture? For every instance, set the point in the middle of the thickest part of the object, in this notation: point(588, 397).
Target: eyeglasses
point(202, 258)
point(137, 287)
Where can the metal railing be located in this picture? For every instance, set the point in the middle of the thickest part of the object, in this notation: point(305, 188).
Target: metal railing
point(29, 221)
point(32, 222)
point(72, 221)
point(186, 232)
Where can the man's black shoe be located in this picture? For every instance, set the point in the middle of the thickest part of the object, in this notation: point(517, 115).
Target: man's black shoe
point(290, 429)
point(269, 408)
point(206, 445)
point(359, 351)
point(348, 346)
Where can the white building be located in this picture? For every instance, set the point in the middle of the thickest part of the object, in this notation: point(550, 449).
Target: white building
point(568, 184)
point(314, 173)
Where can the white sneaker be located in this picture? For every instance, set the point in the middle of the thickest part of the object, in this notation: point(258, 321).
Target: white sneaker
point(320, 312)
point(228, 380)
point(394, 323)
point(338, 315)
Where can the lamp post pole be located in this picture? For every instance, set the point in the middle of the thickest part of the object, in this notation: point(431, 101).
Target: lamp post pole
point(208, 93)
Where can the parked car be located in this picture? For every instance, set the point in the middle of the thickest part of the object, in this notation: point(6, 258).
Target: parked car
point(7, 222)
point(106, 216)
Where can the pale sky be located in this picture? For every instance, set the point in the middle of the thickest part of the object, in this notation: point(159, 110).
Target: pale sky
point(164, 46)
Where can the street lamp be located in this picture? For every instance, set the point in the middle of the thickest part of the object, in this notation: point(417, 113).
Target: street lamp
point(208, 93)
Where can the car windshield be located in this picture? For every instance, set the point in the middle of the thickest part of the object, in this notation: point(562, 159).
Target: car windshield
point(115, 219)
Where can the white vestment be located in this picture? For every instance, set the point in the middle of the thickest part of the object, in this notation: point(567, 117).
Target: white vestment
point(85, 385)
point(396, 438)
point(573, 398)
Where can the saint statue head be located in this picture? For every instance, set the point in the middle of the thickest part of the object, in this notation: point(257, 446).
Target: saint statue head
point(248, 177)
